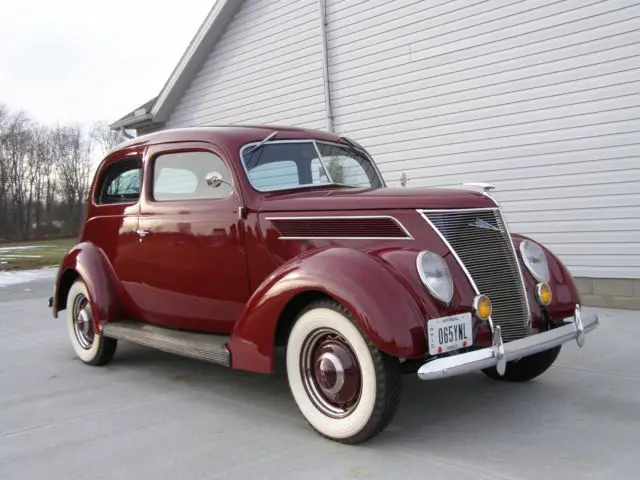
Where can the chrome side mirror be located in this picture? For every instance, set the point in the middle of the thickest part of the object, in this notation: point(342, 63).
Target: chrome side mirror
point(214, 179)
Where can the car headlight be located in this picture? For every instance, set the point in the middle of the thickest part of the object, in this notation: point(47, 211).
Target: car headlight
point(435, 275)
point(535, 260)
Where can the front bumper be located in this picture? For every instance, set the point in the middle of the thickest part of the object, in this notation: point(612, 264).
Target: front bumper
point(500, 353)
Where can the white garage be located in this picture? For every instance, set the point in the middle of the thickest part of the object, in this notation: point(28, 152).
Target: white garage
point(540, 98)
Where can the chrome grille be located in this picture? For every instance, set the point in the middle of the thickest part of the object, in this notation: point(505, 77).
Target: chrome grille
point(481, 241)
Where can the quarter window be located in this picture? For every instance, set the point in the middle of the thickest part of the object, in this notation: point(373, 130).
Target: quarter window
point(121, 182)
point(182, 176)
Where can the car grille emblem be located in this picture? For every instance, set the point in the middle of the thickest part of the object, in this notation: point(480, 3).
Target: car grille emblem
point(479, 223)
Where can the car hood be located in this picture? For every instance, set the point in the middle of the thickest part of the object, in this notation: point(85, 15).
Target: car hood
point(326, 199)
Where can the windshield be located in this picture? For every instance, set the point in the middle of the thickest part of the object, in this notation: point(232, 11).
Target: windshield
point(294, 164)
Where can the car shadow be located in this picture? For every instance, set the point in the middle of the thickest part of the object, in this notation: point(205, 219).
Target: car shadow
point(434, 412)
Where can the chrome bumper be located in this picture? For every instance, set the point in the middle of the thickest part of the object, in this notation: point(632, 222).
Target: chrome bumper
point(500, 353)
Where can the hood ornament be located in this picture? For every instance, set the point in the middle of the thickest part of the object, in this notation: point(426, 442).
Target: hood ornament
point(486, 187)
point(479, 223)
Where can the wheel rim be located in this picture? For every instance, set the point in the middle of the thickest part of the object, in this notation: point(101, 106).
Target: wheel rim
point(331, 373)
point(83, 322)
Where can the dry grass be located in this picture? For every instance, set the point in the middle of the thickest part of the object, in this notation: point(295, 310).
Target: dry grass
point(45, 254)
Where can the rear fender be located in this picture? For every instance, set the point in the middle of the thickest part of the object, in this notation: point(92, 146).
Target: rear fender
point(87, 262)
point(374, 294)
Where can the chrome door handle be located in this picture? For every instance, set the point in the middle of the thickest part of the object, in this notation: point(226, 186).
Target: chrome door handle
point(142, 233)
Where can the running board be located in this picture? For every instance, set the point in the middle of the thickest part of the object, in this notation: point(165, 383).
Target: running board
point(202, 346)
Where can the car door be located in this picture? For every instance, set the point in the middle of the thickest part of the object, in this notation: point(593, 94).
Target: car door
point(191, 254)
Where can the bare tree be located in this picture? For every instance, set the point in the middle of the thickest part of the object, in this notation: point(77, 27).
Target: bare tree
point(45, 174)
point(105, 138)
point(74, 169)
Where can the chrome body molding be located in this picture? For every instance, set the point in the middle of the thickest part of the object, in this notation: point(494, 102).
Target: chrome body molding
point(407, 236)
point(500, 353)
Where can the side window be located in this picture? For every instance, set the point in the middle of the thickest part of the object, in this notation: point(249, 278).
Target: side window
point(182, 176)
point(121, 182)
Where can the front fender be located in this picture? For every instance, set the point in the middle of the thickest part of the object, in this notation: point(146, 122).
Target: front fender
point(565, 294)
point(384, 309)
point(89, 263)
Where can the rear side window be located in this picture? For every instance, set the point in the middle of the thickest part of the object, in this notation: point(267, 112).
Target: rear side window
point(121, 182)
point(182, 176)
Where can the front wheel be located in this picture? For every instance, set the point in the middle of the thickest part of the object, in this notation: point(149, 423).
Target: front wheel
point(526, 368)
point(91, 347)
point(346, 388)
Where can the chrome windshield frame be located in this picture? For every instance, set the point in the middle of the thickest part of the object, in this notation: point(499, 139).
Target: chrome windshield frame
point(315, 143)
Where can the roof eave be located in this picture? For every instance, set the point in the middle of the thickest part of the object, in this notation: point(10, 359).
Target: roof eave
point(132, 122)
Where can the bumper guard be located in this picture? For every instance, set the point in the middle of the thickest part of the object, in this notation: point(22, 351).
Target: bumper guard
point(500, 353)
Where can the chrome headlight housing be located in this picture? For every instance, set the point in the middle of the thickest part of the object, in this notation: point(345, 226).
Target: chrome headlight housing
point(435, 275)
point(535, 260)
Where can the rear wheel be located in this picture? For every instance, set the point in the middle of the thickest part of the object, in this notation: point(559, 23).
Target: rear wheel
point(346, 389)
point(526, 368)
point(91, 347)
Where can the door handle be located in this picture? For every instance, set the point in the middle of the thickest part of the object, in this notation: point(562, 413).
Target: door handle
point(142, 232)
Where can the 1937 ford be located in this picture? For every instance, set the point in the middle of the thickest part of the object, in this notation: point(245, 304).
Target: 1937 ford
point(224, 243)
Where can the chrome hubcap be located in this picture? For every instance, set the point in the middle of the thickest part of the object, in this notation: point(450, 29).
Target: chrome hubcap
point(331, 373)
point(83, 322)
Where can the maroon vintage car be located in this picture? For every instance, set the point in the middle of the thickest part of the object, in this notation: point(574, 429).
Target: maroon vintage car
point(225, 243)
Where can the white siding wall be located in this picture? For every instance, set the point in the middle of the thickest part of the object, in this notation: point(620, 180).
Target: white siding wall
point(541, 98)
point(266, 68)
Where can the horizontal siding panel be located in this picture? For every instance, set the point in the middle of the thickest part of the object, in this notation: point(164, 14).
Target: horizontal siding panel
point(263, 96)
point(605, 272)
point(545, 58)
point(552, 176)
point(266, 68)
point(540, 98)
point(435, 146)
point(606, 225)
point(451, 29)
point(575, 206)
point(580, 238)
point(229, 74)
point(547, 68)
point(615, 260)
point(598, 249)
point(509, 42)
point(255, 14)
point(441, 105)
point(522, 167)
point(564, 118)
point(344, 15)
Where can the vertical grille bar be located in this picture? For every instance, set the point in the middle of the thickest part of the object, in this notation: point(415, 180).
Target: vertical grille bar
point(482, 243)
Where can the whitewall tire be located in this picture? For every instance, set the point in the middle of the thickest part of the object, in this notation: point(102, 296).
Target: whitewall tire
point(89, 346)
point(345, 388)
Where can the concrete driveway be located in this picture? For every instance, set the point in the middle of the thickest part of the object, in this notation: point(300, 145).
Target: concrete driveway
point(150, 415)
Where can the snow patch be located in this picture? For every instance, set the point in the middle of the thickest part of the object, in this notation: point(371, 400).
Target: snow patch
point(22, 247)
point(25, 276)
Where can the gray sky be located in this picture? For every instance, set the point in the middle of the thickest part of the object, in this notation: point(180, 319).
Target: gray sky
point(79, 61)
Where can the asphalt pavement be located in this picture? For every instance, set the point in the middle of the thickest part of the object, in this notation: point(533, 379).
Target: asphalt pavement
point(151, 415)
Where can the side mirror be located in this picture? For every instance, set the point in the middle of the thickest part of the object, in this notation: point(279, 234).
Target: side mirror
point(214, 179)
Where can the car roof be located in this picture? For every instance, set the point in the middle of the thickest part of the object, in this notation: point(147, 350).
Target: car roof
point(227, 135)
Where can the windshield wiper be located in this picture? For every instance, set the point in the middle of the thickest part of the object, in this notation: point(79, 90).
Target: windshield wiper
point(351, 143)
point(262, 142)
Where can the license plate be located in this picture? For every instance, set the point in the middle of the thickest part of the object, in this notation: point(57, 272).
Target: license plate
point(449, 333)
